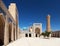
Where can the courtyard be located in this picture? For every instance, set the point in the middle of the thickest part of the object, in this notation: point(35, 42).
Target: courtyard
point(35, 41)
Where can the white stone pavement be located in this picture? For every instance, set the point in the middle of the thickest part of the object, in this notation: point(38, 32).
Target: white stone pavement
point(36, 42)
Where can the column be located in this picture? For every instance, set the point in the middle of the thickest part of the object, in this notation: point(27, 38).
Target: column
point(15, 32)
point(18, 32)
point(6, 32)
point(12, 33)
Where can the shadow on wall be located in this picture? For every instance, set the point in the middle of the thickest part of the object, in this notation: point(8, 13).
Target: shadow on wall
point(1, 43)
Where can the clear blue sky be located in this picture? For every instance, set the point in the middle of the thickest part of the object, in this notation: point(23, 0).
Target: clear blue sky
point(32, 11)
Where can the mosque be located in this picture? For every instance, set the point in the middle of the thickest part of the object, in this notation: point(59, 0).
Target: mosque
point(33, 31)
point(36, 29)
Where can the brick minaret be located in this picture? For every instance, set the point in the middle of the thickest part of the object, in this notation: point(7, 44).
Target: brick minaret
point(48, 24)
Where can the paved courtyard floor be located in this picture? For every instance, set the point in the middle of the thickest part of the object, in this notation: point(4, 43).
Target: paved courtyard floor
point(36, 42)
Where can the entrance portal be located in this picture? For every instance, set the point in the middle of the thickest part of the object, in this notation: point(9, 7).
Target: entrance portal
point(37, 31)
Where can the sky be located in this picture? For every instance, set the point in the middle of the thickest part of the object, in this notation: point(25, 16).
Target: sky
point(35, 11)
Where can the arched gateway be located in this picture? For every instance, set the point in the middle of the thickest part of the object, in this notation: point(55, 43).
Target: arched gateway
point(37, 28)
point(37, 31)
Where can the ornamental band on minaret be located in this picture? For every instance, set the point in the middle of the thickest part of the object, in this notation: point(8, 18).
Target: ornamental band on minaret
point(48, 29)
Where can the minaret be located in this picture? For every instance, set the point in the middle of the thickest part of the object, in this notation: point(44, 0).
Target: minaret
point(48, 24)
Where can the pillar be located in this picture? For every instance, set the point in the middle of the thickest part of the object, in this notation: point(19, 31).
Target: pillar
point(12, 32)
point(18, 32)
point(6, 32)
point(15, 33)
point(48, 24)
